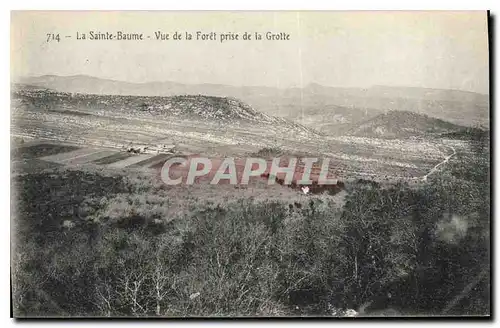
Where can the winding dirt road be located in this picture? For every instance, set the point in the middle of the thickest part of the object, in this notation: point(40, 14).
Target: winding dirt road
point(435, 168)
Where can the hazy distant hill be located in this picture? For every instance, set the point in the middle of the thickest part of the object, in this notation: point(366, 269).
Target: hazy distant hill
point(460, 107)
point(402, 124)
point(93, 85)
point(329, 119)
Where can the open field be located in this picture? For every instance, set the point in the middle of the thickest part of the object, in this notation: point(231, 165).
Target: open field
point(351, 157)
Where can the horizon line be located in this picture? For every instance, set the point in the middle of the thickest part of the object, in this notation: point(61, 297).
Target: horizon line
point(249, 86)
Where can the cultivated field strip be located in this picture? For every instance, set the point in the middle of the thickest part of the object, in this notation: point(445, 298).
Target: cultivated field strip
point(31, 151)
point(160, 158)
point(113, 158)
point(130, 161)
point(68, 156)
point(91, 157)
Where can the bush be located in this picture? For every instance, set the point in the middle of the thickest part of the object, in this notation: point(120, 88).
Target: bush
point(129, 254)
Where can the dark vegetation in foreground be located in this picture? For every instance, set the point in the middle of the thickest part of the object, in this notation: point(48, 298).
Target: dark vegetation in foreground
point(92, 245)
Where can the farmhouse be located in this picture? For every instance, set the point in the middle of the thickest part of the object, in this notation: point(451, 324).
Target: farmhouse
point(147, 149)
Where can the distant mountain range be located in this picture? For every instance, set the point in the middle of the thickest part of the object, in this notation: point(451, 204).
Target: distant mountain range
point(331, 110)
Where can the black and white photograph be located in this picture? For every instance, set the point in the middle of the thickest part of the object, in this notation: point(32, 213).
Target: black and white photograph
point(250, 164)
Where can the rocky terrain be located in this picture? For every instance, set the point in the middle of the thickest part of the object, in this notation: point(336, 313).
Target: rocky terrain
point(197, 107)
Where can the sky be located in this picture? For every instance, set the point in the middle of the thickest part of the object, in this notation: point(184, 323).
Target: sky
point(438, 49)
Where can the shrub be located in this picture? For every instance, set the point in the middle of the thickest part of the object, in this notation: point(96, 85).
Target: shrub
point(129, 254)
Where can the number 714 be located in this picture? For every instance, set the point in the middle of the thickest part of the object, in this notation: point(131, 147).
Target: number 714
point(53, 37)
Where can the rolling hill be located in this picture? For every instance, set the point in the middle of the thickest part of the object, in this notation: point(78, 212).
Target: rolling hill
point(402, 124)
point(314, 100)
point(220, 110)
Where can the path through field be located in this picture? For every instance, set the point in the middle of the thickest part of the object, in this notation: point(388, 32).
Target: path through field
point(445, 160)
